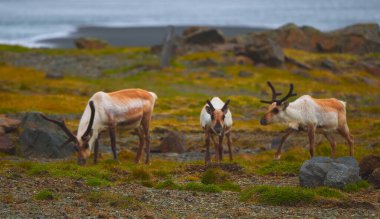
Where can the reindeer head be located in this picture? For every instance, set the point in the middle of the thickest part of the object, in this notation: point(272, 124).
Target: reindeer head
point(81, 143)
point(217, 117)
point(276, 107)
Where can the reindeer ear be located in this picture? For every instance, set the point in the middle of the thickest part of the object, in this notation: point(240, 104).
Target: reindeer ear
point(285, 105)
point(208, 110)
point(225, 107)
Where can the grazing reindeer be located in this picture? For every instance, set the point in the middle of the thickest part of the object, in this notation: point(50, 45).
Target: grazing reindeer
point(130, 107)
point(216, 119)
point(308, 114)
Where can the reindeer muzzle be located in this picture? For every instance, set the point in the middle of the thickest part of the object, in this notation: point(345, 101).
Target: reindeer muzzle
point(263, 121)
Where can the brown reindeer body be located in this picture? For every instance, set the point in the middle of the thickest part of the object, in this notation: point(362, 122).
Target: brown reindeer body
point(216, 120)
point(132, 108)
point(308, 114)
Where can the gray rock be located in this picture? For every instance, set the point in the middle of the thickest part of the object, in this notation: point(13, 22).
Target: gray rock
point(6, 145)
point(205, 37)
point(41, 138)
point(340, 175)
point(324, 171)
point(173, 142)
point(265, 51)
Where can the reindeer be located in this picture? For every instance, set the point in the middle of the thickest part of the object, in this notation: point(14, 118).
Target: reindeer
point(308, 114)
point(132, 108)
point(216, 119)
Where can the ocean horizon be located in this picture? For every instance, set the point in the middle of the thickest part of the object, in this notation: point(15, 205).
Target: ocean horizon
point(29, 22)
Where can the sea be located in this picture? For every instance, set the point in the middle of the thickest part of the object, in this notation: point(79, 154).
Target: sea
point(27, 22)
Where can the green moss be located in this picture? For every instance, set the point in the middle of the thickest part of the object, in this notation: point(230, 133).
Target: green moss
point(200, 187)
point(214, 176)
point(113, 200)
point(230, 186)
point(281, 167)
point(329, 193)
point(355, 187)
point(168, 184)
point(273, 195)
point(45, 195)
point(140, 173)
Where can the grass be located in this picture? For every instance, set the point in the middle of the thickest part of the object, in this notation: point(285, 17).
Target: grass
point(45, 195)
point(215, 176)
point(355, 187)
point(288, 195)
point(113, 200)
point(200, 187)
point(281, 167)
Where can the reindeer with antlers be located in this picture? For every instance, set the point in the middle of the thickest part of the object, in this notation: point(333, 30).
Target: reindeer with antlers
point(132, 108)
point(216, 119)
point(308, 114)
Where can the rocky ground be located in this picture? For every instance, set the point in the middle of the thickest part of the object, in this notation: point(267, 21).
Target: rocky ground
point(18, 191)
point(36, 182)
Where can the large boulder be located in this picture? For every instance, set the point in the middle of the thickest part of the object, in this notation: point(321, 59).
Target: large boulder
point(374, 178)
point(41, 138)
point(8, 125)
point(6, 145)
point(357, 39)
point(173, 142)
point(203, 36)
point(368, 164)
point(90, 43)
point(324, 171)
point(266, 51)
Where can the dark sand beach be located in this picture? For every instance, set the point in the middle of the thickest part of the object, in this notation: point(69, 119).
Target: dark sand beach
point(133, 36)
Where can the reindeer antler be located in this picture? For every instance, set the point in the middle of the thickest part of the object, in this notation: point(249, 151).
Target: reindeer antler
point(275, 95)
point(64, 128)
point(210, 104)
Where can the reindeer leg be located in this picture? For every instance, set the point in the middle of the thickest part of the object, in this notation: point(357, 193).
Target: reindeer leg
point(216, 146)
point(141, 144)
point(344, 131)
point(288, 133)
point(228, 135)
point(207, 144)
point(147, 141)
point(96, 151)
point(112, 133)
point(311, 133)
point(331, 140)
point(221, 147)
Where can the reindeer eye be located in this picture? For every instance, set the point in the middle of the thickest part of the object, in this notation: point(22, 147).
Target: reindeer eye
point(212, 117)
point(224, 116)
point(275, 111)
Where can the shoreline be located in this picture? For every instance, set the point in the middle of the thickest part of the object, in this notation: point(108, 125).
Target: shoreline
point(134, 36)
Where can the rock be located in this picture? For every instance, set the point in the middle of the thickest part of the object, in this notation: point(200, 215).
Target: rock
point(218, 74)
point(41, 138)
point(328, 64)
point(243, 60)
point(190, 30)
point(368, 164)
point(297, 63)
point(7, 146)
point(245, 74)
point(205, 37)
point(374, 178)
point(265, 51)
point(173, 142)
point(54, 75)
point(357, 39)
point(8, 124)
point(324, 171)
point(90, 43)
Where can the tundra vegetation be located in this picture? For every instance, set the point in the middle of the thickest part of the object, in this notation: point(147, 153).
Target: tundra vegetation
point(253, 179)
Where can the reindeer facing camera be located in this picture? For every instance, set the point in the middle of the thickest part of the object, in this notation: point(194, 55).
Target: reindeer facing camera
point(216, 119)
point(131, 108)
point(308, 114)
